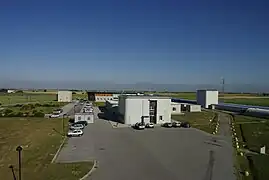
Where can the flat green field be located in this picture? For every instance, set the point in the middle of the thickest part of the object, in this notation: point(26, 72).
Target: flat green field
point(33, 97)
point(249, 101)
point(199, 120)
point(40, 142)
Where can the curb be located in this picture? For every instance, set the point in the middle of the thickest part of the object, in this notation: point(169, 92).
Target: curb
point(58, 151)
point(91, 171)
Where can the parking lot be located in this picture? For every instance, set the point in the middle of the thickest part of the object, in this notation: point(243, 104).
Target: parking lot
point(159, 153)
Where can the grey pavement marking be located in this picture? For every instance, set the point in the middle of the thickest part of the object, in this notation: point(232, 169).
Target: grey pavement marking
point(159, 153)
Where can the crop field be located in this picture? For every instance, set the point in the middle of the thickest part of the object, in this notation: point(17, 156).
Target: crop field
point(254, 134)
point(199, 120)
point(40, 139)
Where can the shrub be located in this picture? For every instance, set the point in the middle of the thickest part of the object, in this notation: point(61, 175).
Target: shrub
point(38, 114)
point(27, 107)
point(38, 105)
point(8, 111)
point(18, 105)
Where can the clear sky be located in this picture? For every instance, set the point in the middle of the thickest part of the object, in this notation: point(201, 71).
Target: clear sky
point(158, 41)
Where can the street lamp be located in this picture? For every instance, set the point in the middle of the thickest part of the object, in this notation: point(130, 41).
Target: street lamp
point(13, 173)
point(63, 123)
point(19, 149)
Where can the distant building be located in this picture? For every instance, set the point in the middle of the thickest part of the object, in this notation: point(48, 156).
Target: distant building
point(64, 96)
point(103, 96)
point(207, 97)
point(11, 91)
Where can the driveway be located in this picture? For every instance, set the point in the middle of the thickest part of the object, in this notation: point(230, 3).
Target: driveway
point(159, 153)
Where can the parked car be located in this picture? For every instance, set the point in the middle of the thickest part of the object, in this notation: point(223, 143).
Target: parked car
point(54, 115)
point(176, 124)
point(139, 125)
point(76, 126)
point(84, 123)
point(149, 125)
point(185, 125)
point(168, 125)
point(73, 133)
point(58, 111)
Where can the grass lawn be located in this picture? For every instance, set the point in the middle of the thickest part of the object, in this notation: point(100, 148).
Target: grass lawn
point(40, 142)
point(249, 101)
point(24, 98)
point(199, 120)
point(254, 136)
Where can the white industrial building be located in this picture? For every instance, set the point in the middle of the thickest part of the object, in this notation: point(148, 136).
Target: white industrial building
point(193, 108)
point(89, 117)
point(64, 96)
point(155, 109)
point(207, 97)
point(176, 108)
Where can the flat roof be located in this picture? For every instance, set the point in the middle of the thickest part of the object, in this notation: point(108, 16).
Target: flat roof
point(207, 90)
point(145, 97)
point(113, 102)
point(84, 113)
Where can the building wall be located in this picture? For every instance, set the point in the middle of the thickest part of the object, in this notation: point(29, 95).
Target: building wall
point(193, 108)
point(207, 97)
point(84, 117)
point(136, 108)
point(64, 96)
point(175, 108)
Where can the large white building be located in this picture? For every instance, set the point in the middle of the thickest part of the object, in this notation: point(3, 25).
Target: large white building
point(207, 97)
point(133, 109)
point(64, 96)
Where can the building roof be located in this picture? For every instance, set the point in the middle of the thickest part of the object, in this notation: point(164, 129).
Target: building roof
point(145, 97)
point(207, 90)
point(113, 102)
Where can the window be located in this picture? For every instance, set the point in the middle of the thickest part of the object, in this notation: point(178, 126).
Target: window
point(79, 118)
point(174, 109)
point(161, 118)
point(89, 118)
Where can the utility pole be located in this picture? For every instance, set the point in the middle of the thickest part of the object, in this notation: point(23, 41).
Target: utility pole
point(13, 173)
point(222, 87)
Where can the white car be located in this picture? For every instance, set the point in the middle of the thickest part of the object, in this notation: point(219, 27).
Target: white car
point(76, 127)
point(149, 125)
point(72, 133)
point(54, 115)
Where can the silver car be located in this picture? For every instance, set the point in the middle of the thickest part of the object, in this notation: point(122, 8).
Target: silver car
point(76, 127)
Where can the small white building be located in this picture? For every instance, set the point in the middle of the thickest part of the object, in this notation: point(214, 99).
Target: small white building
point(207, 97)
point(193, 108)
point(155, 109)
point(176, 108)
point(11, 91)
point(89, 117)
point(64, 96)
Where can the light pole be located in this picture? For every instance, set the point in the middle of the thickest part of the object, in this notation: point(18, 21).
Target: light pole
point(19, 149)
point(63, 123)
point(13, 173)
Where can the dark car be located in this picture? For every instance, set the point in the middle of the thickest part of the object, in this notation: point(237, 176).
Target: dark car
point(84, 123)
point(176, 124)
point(168, 125)
point(185, 125)
point(139, 125)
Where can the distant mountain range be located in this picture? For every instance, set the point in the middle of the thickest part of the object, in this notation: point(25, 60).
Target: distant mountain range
point(102, 85)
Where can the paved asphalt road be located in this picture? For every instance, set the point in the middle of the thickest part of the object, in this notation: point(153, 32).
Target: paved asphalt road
point(159, 153)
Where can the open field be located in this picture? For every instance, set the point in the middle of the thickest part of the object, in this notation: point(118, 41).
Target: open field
point(199, 120)
point(33, 97)
point(254, 136)
point(40, 142)
point(249, 101)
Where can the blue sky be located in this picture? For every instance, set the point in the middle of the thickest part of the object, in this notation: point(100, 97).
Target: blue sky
point(160, 41)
